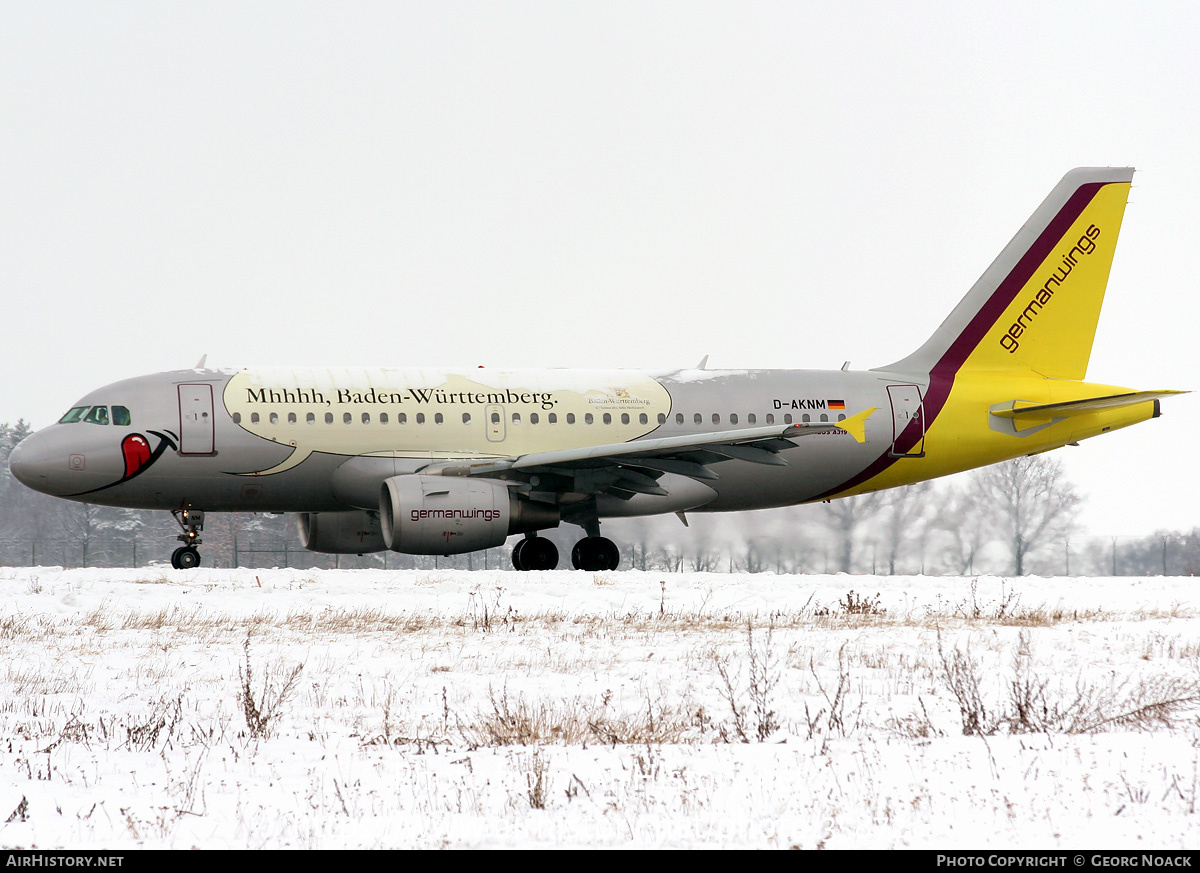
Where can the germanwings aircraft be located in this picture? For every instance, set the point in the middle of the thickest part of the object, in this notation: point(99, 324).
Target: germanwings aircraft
point(437, 462)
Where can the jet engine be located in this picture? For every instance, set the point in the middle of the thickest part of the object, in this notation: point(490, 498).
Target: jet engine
point(447, 515)
point(340, 533)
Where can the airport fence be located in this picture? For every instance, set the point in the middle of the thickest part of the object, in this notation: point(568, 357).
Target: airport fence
point(1157, 555)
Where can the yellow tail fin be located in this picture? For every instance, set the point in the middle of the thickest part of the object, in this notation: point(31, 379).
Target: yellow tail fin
point(1036, 307)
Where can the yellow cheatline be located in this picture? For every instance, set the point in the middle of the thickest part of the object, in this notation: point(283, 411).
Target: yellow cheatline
point(856, 425)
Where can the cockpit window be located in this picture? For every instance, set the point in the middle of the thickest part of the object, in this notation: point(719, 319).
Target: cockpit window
point(98, 415)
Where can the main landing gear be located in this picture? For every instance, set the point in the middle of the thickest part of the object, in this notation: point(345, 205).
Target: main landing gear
point(535, 553)
point(590, 553)
point(191, 521)
point(593, 553)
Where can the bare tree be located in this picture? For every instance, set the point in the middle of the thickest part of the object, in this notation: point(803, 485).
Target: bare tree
point(1034, 504)
point(906, 514)
point(967, 519)
point(844, 518)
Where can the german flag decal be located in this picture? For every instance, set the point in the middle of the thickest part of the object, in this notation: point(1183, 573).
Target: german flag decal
point(837, 404)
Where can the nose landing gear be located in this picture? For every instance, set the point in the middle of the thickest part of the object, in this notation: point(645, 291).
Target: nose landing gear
point(191, 521)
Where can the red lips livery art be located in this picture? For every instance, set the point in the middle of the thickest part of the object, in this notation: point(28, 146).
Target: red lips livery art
point(137, 453)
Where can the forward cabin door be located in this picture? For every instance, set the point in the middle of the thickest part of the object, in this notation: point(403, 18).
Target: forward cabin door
point(196, 419)
point(907, 408)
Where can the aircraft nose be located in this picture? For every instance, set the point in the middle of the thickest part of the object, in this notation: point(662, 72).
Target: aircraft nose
point(30, 464)
point(56, 461)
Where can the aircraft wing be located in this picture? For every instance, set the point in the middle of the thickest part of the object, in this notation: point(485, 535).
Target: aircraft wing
point(688, 455)
point(1023, 409)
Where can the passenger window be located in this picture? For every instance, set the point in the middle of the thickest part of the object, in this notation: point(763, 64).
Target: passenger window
point(824, 417)
point(328, 417)
point(570, 418)
point(716, 418)
point(533, 418)
point(662, 418)
point(420, 418)
point(495, 418)
point(383, 418)
point(438, 418)
point(402, 418)
point(751, 418)
point(552, 418)
point(121, 416)
point(770, 418)
point(625, 418)
point(679, 418)
point(310, 418)
point(516, 418)
point(698, 418)
point(366, 418)
point(274, 418)
point(254, 418)
point(588, 418)
point(466, 418)
point(291, 418)
point(347, 418)
point(237, 418)
point(733, 418)
point(787, 419)
point(607, 418)
point(806, 418)
point(842, 417)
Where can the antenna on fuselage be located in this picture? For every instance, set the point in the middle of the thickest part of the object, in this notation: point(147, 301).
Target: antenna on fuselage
point(200, 363)
point(703, 363)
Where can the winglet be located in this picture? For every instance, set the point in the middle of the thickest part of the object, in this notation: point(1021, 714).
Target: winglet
point(856, 425)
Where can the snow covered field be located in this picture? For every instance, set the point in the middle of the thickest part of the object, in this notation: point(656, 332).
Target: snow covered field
point(327, 709)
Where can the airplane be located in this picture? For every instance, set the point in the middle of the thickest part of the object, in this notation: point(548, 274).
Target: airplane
point(434, 461)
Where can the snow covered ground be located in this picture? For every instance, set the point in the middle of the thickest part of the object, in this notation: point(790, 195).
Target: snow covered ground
point(327, 709)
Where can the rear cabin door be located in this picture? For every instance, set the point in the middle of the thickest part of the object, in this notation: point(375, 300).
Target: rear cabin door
point(907, 411)
point(196, 419)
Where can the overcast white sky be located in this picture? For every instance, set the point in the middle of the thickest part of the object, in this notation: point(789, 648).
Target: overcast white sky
point(585, 184)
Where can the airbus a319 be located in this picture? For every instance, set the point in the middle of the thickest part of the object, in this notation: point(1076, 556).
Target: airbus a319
point(437, 461)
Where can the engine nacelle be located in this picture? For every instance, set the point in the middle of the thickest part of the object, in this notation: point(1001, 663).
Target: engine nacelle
point(447, 515)
point(340, 533)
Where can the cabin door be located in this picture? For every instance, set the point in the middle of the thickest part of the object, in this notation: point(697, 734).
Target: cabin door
point(196, 419)
point(908, 411)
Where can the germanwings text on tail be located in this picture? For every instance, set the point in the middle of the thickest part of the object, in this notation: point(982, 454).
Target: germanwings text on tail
point(444, 461)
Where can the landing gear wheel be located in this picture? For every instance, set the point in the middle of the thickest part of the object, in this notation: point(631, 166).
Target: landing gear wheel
point(535, 553)
point(185, 558)
point(595, 553)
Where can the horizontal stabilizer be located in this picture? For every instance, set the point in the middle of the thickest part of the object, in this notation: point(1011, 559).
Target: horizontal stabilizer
point(1025, 409)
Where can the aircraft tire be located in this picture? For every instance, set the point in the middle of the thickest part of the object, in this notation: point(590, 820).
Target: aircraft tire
point(595, 554)
point(185, 558)
point(536, 553)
